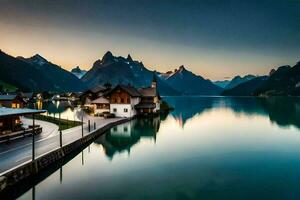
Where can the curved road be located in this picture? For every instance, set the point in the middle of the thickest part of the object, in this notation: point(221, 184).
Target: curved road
point(20, 151)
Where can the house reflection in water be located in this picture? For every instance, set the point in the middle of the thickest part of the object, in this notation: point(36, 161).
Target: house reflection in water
point(123, 137)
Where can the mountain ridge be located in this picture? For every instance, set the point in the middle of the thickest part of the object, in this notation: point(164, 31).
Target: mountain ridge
point(120, 70)
point(189, 83)
point(36, 74)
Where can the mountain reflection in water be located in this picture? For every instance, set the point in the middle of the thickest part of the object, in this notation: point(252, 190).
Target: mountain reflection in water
point(207, 148)
point(284, 111)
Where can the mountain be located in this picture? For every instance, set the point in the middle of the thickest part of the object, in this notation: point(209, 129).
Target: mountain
point(190, 84)
point(22, 75)
point(79, 73)
point(222, 84)
point(60, 79)
point(36, 74)
point(281, 82)
point(246, 88)
point(238, 80)
point(120, 70)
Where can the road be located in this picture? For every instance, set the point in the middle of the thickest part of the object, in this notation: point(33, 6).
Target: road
point(19, 152)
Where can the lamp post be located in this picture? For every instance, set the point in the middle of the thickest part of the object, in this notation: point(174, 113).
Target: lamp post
point(59, 121)
point(60, 138)
point(82, 125)
point(33, 138)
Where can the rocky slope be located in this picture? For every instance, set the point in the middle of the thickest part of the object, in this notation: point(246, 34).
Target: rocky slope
point(120, 70)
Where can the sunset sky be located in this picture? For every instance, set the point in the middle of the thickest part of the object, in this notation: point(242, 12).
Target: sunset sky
point(213, 38)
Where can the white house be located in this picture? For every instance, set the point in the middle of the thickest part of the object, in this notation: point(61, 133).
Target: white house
point(100, 105)
point(123, 99)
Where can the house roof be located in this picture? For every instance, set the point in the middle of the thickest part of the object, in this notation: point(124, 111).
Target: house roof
point(97, 89)
point(127, 88)
point(148, 92)
point(4, 112)
point(7, 97)
point(27, 94)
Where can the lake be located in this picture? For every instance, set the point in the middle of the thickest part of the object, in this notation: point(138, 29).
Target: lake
point(207, 148)
point(63, 109)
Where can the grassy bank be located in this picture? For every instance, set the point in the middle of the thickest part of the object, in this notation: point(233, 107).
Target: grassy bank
point(62, 123)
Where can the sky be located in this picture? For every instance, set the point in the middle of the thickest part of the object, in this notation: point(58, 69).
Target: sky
point(213, 38)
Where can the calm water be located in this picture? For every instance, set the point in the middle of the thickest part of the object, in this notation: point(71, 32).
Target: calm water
point(66, 109)
point(208, 148)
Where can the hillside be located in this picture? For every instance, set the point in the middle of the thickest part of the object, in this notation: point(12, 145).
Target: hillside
point(6, 87)
point(62, 80)
point(285, 81)
point(22, 75)
point(246, 88)
point(36, 74)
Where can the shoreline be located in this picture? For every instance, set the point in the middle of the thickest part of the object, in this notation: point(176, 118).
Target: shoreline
point(27, 170)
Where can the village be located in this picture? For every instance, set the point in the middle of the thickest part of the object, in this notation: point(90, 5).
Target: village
point(120, 101)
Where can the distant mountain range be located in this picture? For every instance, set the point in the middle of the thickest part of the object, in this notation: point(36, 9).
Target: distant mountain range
point(239, 80)
point(37, 74)
point(222, 84)
point(120, 70)
point(79, 73)
point(285, 81)
point(247, 88)
point(188, 83)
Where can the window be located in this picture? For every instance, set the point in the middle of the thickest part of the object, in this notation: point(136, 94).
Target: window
point(125, 129)
point(17, 121)
point(1, 124)
point(128, 100)
point(122, 100)
point(115, 129)
point(125, 110)
point(115, 110)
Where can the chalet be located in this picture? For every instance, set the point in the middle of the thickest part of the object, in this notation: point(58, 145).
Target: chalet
point(88, 96)
point(126, 101)
point(94, 100)
point(11, 124)
point(11, 101)
point(100, 105)
point(123, 99)
point(150, 99)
